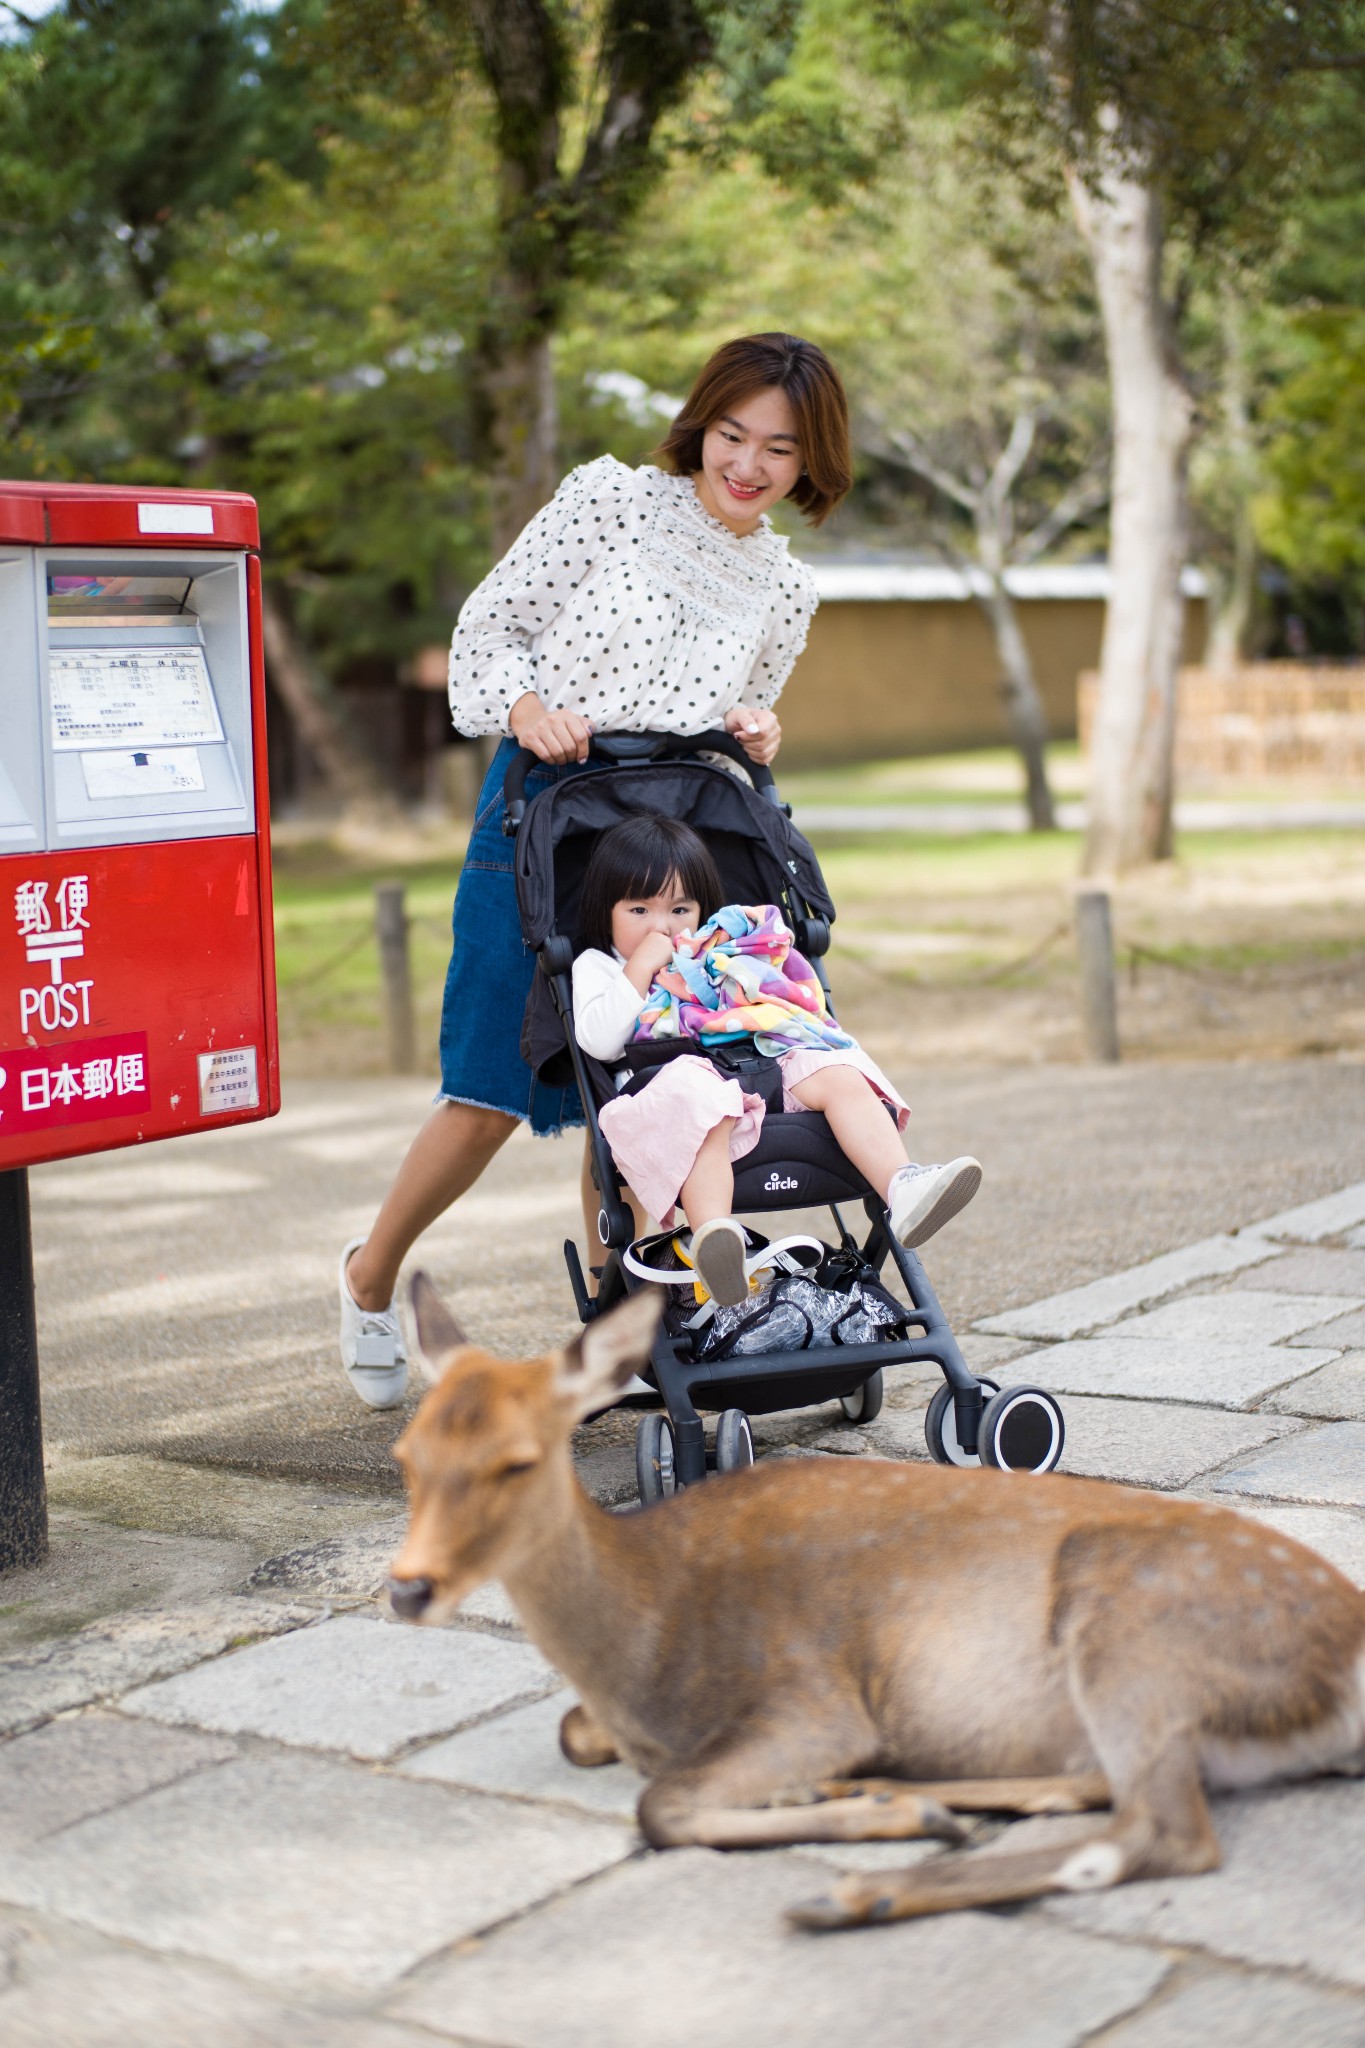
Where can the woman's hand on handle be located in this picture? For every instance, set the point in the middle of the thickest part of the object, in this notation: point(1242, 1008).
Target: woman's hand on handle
point(757, 731)
point(554, 736)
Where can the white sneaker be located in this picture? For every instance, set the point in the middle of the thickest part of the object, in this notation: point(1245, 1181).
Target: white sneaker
point(372, 1347)
point(718, 1254)
point(924, 1198)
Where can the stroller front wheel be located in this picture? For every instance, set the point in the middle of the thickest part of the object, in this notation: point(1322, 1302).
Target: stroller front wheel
point(734, 1441)
point(656, 1469)
point(940, 1427)
point(865, 1403)
point(1022, 1431)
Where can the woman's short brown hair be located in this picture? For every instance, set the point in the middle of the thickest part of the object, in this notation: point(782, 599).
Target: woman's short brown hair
point(757, 362)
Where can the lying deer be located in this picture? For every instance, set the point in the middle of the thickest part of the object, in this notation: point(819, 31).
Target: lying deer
point(980, 1641)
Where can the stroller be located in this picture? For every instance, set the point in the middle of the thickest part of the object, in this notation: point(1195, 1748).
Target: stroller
point(762, 858)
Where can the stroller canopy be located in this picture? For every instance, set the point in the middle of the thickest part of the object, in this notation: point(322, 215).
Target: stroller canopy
point(761, 856)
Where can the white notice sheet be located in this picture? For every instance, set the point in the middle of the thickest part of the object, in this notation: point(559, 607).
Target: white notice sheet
point(131, 697)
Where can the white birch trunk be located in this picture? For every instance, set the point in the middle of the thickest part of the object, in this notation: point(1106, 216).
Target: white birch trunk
point(1132, 747)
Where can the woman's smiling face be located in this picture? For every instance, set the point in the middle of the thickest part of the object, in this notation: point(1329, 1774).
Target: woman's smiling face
point(750, 458)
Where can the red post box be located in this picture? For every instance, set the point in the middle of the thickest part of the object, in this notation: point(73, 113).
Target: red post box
point(137, 994)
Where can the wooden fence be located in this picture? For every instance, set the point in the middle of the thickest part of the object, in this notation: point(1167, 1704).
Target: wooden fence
point(1268, 721)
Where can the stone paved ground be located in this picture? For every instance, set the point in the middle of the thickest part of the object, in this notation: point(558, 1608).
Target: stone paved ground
point(239, 1806)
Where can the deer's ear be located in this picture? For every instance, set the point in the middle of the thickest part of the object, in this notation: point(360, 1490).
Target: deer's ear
point(595, 1367)
point(438, 1333)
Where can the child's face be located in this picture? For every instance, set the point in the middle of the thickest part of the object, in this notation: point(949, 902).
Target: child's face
point(635, 917)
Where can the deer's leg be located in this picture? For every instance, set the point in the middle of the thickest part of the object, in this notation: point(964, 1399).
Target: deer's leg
point(1160, 1829)
point(1143, 1735)
point(740, 1797)
point(1079, 1793)
point(585, 1741)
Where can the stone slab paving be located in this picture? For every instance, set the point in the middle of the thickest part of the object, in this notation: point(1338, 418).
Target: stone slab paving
point(1236, 1318)
point(1320, 1466)
point(1315, 1222)
point(1203, 1370)
point(519, 1753)
point(1317, 1270)
point(178, 1862)
point(118, 1999)
point(1291, 1891)
point(70, 1769)
point(1337, 1391)
point(298, 1868)
point(1200, 2005)
point(1084, 1308)
point(368, 1688)
point(689, 1950)
point(111, 1656)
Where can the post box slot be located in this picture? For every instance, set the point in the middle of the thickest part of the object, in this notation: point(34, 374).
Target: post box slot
point(147, 697)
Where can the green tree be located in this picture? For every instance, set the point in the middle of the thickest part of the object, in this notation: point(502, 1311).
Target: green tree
point(1182, 131)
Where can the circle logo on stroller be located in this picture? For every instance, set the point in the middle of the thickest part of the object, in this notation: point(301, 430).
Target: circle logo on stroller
point(777, 1183)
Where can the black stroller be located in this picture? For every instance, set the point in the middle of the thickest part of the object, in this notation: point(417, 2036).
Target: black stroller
point(762, 858)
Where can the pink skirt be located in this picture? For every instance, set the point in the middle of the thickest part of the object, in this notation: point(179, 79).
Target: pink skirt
point(656, 1134)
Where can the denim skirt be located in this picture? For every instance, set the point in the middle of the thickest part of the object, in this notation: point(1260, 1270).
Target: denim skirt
point(489, 978)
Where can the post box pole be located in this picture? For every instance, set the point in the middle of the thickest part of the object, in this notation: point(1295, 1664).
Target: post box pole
point(23, 1491)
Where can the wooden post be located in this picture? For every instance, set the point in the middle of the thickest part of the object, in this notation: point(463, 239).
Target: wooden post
point(1095, 952)
point(395, 970)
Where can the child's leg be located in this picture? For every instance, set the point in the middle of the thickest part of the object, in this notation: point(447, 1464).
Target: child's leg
point(857, 1116)
point(709, 1189)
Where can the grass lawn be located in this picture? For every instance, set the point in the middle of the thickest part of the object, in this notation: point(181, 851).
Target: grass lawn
point(951, 948)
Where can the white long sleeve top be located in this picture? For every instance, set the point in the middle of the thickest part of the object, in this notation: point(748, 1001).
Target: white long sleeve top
point(626, 601)
point(606, 1005)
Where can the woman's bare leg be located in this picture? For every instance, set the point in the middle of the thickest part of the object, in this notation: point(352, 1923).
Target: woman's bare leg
point(857, 1116)
point(446, 1157)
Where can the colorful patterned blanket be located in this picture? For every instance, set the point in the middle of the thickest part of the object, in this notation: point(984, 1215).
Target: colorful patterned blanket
point(740, 976)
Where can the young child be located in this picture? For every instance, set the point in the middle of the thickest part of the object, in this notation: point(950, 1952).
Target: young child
point(651, 883)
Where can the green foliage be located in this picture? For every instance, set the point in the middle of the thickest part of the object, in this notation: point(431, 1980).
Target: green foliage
point(1312, 515)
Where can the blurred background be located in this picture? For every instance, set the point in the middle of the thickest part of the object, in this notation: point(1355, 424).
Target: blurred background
point(1095, 278)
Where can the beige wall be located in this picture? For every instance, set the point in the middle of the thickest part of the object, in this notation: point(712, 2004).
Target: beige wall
point(882, 677)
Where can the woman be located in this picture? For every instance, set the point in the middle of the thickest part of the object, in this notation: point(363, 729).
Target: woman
point(637, 600)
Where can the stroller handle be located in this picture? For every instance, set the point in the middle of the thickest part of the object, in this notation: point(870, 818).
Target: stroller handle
point(625, 748)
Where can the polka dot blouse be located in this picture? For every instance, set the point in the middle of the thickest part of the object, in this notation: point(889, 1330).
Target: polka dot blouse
point(626, 601)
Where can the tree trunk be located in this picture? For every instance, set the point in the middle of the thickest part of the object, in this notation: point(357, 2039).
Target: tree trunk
point(1132, 748)
point(1023, 705)
point(1233, 611)
point(521, 427)
point(318, 720)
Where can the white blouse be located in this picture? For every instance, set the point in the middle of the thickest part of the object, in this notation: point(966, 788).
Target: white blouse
point(626, 601)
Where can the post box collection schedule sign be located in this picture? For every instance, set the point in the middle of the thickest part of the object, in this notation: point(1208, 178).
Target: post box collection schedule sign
point(131, 697)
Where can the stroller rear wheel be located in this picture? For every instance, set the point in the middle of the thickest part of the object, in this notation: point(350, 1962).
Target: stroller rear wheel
point(1022, 1431)
point(865, 1403)
point(734, 1441)
point(656, 1471)
point(940, 1426)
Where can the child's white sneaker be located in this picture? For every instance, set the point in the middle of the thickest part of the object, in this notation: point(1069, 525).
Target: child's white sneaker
point(372, 1347)
point(923, 1198)
point(718, 1253)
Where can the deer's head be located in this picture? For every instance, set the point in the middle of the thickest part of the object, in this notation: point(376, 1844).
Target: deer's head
point(486, 1456)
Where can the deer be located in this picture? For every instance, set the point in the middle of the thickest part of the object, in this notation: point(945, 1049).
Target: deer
point(835, 1651)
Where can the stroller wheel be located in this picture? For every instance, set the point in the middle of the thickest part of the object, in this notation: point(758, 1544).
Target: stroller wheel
point(940, 1426)
point(865, 1404)
point(1022, 1431)
point(656, 1472)
point(734, 1441)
